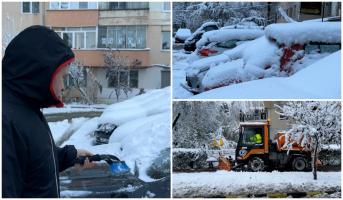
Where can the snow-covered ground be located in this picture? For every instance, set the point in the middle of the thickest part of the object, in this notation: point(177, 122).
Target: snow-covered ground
point(144, 130)
point(179, 75)
point(319, 80)
point(224, 184)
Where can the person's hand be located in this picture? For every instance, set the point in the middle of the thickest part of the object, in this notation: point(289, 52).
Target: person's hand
point(87, 164)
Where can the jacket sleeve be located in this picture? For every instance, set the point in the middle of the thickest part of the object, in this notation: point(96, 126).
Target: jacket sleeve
point(14, 161)
point(66, 157)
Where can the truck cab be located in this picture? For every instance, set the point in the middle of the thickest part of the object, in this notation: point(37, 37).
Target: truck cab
point(257, 152)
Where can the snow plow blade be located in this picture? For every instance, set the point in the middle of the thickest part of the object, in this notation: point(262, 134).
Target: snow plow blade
point(116, 165)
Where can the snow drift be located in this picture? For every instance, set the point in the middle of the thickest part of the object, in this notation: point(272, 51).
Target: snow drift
point(319, 80)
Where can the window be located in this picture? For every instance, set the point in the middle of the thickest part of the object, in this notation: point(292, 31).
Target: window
point(121, 37)
point(165, 40)
point(252, 135)
point(125, 78)
point(30, 7)
point(166, 6)
point(123, 5)
point(72, 5)
point(134, 78)
point(78, 38)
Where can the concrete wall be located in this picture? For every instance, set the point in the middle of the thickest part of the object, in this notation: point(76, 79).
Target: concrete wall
point(14, 21)
point(276, 123)
point(150, 78)
point(71, 18)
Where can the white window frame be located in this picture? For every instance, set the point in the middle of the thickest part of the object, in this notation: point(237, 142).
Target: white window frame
point(146, 36)
point(84, 38)
point(162, 41)
point(60, 3)
point(22, 7)
point(164, 7)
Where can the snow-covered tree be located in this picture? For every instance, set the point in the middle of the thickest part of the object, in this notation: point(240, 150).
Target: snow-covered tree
point(193, 14)
point(202, 122)
point(118, 71)
point(83, 79)
point(316, 123)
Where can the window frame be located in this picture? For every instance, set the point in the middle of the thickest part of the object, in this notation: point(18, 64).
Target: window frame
point(164, 7)
point(31, 7)
point(73, 32)
point(119, 30)
point(162, 41)
point(68, 3)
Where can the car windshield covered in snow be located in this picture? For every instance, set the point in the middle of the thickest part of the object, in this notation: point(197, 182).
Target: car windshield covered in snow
point(285, 50)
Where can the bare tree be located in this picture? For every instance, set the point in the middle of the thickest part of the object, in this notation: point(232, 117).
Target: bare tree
point(84, 81)
point(118, 71)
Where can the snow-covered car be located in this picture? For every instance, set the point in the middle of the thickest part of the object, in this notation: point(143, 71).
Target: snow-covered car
point(151, 103)
point(103, 133)
point(191, 41)
point(182, 34)
point(284, 50)
point(217, 41)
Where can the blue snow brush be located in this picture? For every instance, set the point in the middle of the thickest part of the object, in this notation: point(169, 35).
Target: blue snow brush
point(116, 165)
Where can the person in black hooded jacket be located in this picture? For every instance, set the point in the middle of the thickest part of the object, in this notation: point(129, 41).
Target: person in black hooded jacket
point(31, 79)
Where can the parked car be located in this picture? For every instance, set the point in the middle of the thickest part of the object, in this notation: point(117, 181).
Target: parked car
point(284, 50)
point(191, 41)
point(103, 133)
point(182, 34)
point(217, 41)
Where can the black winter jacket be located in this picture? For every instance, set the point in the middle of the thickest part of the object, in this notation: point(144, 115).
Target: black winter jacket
point(30, 159)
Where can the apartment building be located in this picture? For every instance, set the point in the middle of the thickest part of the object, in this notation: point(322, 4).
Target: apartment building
point(138, 31)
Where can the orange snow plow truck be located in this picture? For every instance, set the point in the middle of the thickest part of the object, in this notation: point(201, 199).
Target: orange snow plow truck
point(257, 152)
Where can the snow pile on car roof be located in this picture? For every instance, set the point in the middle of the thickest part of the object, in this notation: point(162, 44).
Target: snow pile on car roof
point(223, 35)
point(183, 33)
point(244, 64)
point(152, 102)
point(200, 29)
point(304, 32)
point(319, 80)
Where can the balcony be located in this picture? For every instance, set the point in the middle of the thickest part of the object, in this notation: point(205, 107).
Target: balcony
point(95, 58)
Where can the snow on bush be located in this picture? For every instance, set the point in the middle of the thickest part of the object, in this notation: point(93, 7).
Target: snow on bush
point(183, 33)
point(223, 35)
point(185, 159)
point(304, 84)
point(304, 32)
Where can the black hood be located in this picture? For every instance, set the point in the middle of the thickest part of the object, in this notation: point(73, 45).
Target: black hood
point(29, 63)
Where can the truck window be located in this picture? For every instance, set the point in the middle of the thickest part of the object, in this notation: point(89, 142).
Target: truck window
point(252, 135)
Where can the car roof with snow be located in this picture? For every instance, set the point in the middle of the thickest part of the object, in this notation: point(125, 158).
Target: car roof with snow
point(223, 35)
point(200, 29)
point(304, 32)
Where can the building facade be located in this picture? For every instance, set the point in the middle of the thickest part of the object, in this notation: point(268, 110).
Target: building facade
point(135, 31)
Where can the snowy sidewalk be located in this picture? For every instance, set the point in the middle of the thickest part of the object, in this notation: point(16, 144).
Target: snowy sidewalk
point(225, 184)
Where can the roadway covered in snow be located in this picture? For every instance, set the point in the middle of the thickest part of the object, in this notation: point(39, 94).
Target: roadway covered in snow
point(236, 184)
